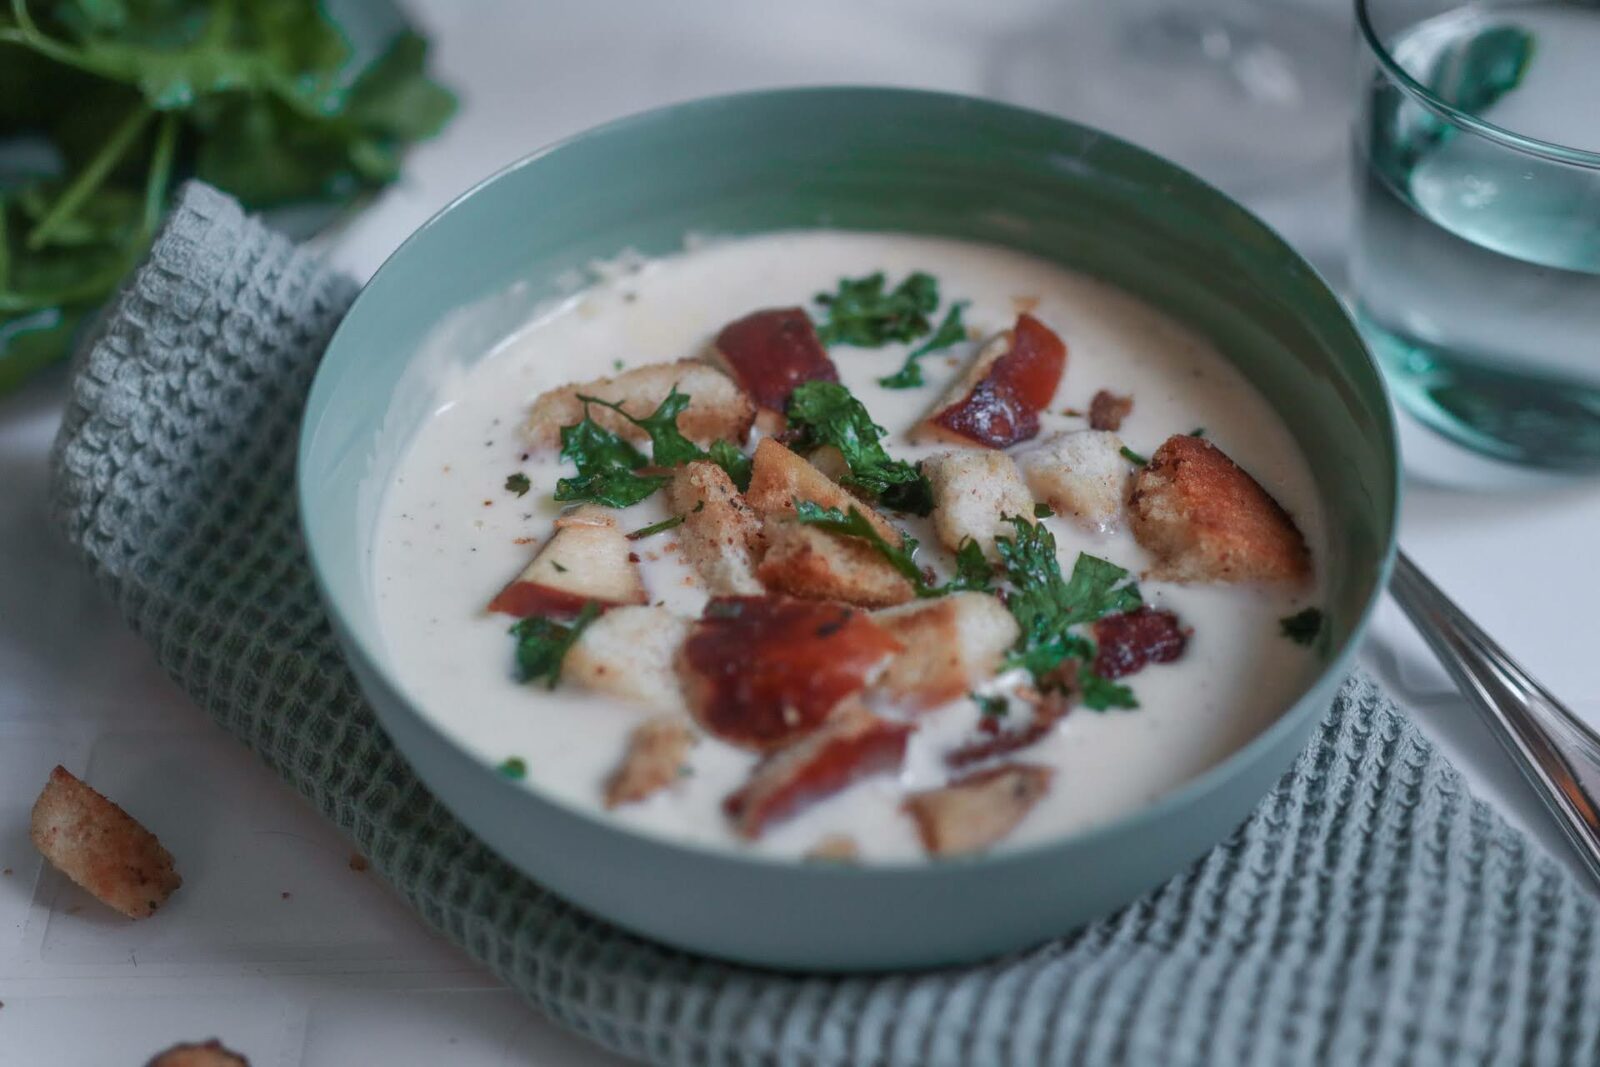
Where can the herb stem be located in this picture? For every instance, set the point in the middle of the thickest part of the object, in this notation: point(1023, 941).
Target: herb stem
point(155, 188)
point(89, 179)
point(655, 528)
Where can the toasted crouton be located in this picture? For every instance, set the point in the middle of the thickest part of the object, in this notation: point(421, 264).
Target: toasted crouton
point(653, 761)
point(974, 490)
point(717, 407)
point(206, 1054)
point(101, 848)
point(834, 848)
point(720, 531)
point(1108, 409)
point(851, 745)
point(976, 811)
point(629, 652)
point(778, 476)
point(804, 561)
point(1206, 520)
point(951, 643)
point(586, 560)
point(1082, 474)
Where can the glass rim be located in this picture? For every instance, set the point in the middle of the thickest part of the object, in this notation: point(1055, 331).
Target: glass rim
point(1559, 153)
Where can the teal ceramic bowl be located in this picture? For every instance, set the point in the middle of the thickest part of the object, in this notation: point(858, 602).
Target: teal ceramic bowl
point(872, 159)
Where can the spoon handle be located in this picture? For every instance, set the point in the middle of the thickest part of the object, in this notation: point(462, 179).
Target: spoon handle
point(1555, 750)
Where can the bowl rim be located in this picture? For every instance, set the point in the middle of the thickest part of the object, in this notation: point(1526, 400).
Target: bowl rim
point(1187, 792)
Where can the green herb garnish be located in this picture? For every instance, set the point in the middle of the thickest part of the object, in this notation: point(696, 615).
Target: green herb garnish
point(518, 483)
point(606, 467)
point(515, 767)
point(1043, 511)
point(972, 570)
point(668, 446)
point(543, 643)
point(951, 331)
point(861, 313)
point(825, 413)
point(655, 528)
point(1047, 606)
point(992, 707)
point(1302, 627)
point(1133, 457)
point(1198, 431)
point(727, 455)
point(117, 102)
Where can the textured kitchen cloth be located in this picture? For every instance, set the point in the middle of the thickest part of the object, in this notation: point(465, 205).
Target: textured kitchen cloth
point(1370, 912)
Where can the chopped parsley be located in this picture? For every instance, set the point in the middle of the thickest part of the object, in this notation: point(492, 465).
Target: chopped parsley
point(972, 570)
point(515, 767)
point(726, 455)
point(992, 707)
point(1302, 627)
point(952, 331)
point(656, 527)
point(543, 643)
point(518, 483)
point(1198, 431)
point(1047, 606)
point(825, 413)
point(1133, 457)
point(1043, 511)
point(607, 464)
point(860, 312)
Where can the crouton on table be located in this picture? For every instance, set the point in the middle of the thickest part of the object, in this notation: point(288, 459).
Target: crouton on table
point(631, 652)
point(717, 407)
point(1082, 474)
point(586, 559)
point(974, 490)
point(996, 402)
point(720, 531)
point(101, 848)
point(654, 760)
point(951, 643)
point(1206, 520)
point(978, 810)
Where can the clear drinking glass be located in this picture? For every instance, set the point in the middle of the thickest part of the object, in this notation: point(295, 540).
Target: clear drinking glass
point(1475, 268)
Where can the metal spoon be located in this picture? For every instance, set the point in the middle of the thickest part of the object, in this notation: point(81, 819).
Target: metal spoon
point(1554, 749)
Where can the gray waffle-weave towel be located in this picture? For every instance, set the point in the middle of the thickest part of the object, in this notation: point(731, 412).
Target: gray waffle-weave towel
point(1370, 912)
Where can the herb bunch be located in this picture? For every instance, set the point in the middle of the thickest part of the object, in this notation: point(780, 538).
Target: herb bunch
point(107, 104)
point(826, 413)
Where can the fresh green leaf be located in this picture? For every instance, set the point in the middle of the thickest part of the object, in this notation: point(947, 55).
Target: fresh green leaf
point(1198, 431)
point(825, 413)
point(1101, 694)
point(992, 707)
point(668, 447)
point(542, 644)
point(655, 528)
point(518, 483)
point(1133, 457)
point(951, 331)
point(972, 570)
point(606, 465)
point(861, 313)
point(727, 455)
point(1043, 511)
point(1303, 626)
point(515, 768)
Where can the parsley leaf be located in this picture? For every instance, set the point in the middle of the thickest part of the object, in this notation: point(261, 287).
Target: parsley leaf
point(1302, 627)
point(514, 767)
point(972, 570)
point(992, 707)
point(668, 446)
point(862, 314)
point(825, 413)
point(1047, 605)
point(1043, 511)
point(543, 643)
point(951, 331)
point(655, 528)
point(726, 455)
point(518, 483)
point(606, 465)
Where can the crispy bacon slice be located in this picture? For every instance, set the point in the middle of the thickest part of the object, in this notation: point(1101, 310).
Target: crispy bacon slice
point(997, 402)
point(1107, 410)
point(974, 812)
point(1049, 709)
point(853, 744)
point(1129, 641)
point(759, 671)
point(770, 352)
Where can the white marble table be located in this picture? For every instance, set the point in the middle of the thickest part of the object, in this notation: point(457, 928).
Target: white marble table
point(276, 943)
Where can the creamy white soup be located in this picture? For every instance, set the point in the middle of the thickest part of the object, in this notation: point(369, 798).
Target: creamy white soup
point(1168, 669)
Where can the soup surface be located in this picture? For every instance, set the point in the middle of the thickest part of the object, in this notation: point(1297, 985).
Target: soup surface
point(472, 504)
